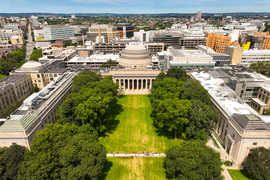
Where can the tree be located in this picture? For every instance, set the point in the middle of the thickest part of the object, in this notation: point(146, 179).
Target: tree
point(201, 117)
point(193, 90)
point(82, 158)
point(2, 76)
point(5, 68)
point(178, 74)
point(257, 164)
point(13, 157)
point(64, 152)
point(35, 89)
point(70, 44)
point(43, 159)
point(172, 114)
point(84, 79)
point(193, 160)
point(90, 104)
point(36, 54)
point(165, 89)
point(2, 164)
point(109, 64)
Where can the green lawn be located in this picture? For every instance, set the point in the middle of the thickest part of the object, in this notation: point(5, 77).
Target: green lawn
point(135, 131)
point(237, 174)
point(136, 168)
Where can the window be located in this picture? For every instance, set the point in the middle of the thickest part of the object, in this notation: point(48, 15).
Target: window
point(254, 144)
point(38, 76)
point(40, 85)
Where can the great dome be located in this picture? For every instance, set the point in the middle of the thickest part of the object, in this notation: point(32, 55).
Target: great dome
point(135, 55)
point(32, 66)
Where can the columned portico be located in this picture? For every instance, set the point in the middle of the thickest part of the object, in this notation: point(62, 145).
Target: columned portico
point(131, 86)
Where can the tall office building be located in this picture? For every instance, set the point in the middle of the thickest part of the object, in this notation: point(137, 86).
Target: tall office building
point(125, 30)
point(218, 42)
point(3, 21)
point(34, 20)
point(108, 31)
point(58, 32)
point(199, 16)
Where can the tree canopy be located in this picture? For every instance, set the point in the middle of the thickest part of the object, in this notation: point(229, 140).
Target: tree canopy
point(261, 67)
point(14, 60)
point(257, 164)
point(193, 160)
point(92, 102)
point(178, 74)
point(193, 90)
point(165, 89)
point(201, 117)
point(109, 64)
point(173, 114)
point(62, 152)
point(36, 54)
point(194, 118)
point(10, 160)
point(84, 79)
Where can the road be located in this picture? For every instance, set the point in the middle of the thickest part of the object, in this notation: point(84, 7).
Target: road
point(30, 44)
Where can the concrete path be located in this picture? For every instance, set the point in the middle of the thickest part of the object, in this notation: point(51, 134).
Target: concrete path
point(136, 155)
point(223, 155)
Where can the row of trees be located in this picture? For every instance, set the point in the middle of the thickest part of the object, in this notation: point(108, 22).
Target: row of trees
point(63, 152)
point(90, 102)
point(182, 105)
point(10, 160)
point(261, 67)
point(69, 149)
point(36, 54)
point(14, 60)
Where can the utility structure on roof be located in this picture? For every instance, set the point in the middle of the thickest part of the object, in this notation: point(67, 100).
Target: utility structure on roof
point(35, 113)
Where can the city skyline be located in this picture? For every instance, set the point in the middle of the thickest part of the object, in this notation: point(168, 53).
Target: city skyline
point(135, 7)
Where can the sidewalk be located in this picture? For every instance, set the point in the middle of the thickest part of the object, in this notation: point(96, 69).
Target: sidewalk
point(223, 155)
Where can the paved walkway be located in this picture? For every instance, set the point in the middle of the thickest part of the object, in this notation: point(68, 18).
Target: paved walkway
point(223, 155)
point(136, 154)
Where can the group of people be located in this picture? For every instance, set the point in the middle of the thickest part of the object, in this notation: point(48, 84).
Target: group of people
point(145, 153)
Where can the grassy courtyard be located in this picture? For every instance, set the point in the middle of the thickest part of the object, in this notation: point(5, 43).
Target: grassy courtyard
point(237, 174)
point(134, 130)
point(134, 168)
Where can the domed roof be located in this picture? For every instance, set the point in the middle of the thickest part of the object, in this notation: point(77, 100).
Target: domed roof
point(32, 65)
point(135, 55)
point(135, 50)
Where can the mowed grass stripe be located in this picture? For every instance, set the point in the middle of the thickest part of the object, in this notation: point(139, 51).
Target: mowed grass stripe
point(136, 168)
point(135, 131)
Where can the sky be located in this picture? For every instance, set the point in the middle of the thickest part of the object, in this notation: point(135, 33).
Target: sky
point(134, 6)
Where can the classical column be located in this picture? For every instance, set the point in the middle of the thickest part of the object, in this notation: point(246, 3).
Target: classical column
point(129, 84)
point(137, 84)
point(133, 84)
point(124, 84)
point(150, 83)
point(119, 84)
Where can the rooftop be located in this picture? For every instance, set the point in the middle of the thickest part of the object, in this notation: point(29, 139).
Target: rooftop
point(250, 122)
point(223, 95)
point(34, 105)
